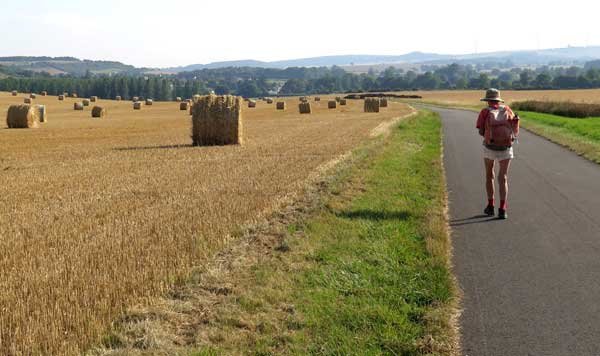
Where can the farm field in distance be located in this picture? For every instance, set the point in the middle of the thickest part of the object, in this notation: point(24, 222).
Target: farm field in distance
point(470, 98)
point(97, 214)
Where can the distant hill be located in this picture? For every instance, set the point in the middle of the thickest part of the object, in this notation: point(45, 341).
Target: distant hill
point(570, 55)
point(65, 65)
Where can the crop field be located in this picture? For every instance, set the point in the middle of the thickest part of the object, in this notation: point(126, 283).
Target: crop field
point(99, 214)
point(471, 98)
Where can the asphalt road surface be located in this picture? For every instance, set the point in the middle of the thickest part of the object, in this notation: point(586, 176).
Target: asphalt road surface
point(531, 283)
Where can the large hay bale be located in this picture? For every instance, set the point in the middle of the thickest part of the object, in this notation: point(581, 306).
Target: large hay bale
point(86, 102)
point(32, 96)
point(251, 103)
point(44, 93)
point(281, 105)
point(22, 117)
point(184, 105)
point(137, 105)
point(14, 93)
point(98, 112)
point(343, 102)
point(61, 97)
point(93, 99)
point(305, 108)
point(149, 102)
point(372, 105)
point(42, 113)
point(27, 101)
point(217, 120)
point(78, 106)
point(118, 98)
point(332, 104)
point(383, 103)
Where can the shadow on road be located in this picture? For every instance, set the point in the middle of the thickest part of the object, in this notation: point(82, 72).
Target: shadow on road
point(476, 219)
point(374, 215)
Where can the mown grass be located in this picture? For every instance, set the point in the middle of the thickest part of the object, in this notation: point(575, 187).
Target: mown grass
point(579, 135)
point(379, 271)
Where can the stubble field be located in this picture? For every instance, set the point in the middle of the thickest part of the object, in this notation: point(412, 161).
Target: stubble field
point(97, 214)
point(472, 98)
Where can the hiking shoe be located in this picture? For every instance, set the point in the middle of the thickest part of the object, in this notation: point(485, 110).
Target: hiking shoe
point(502, 214)
point(489, 211)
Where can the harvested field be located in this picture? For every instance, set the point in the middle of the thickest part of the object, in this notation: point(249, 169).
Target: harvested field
point(471, 98)
point(124, 208)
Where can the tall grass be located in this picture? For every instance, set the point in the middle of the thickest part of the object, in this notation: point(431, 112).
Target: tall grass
point(560, 108)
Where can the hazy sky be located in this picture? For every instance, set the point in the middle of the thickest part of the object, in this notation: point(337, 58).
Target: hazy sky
point(179, 32)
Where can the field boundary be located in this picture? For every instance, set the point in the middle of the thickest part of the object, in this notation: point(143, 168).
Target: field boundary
point(158, 325)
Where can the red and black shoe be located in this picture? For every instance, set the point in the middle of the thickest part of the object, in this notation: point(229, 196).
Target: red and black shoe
point(502, 214)
point(489, 211)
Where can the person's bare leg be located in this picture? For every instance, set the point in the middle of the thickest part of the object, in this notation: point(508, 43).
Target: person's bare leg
point(503, 179)
point(489, 178)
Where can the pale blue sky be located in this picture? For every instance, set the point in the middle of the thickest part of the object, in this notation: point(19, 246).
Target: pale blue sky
point(179, 32)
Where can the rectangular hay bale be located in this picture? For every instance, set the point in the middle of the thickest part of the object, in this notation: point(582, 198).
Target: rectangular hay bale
point(305, 108)
point(281, 105)
point(332, 104)
point(371, 105)
point(217, 120)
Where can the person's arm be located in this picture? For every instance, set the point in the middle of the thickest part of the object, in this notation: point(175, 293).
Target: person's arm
point(481, 122)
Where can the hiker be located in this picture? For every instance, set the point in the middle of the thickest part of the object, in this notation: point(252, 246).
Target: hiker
point(499, 127)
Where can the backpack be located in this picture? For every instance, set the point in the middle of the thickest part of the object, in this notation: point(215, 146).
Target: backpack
point(499, 133)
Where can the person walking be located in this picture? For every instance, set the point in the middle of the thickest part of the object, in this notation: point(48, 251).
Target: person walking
point(499, 127)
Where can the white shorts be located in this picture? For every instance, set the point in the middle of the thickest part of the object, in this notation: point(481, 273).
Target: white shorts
point(498, 155)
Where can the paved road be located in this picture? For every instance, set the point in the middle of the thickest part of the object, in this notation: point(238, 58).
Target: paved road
point(532, 283)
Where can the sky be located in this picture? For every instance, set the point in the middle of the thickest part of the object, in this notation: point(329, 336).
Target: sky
point(168, 33)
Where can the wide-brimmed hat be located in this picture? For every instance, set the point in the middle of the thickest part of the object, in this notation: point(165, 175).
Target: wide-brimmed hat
point(492, 95)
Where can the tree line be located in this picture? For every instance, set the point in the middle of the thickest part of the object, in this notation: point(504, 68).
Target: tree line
point(257, 82)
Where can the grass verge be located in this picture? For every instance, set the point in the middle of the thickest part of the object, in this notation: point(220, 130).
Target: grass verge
point(363, 271)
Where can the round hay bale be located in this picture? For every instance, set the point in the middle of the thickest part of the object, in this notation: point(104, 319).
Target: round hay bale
point(383, 103)
point(61, 97)
point(178, 99)
point(93, 99)
point(22, 117)
point(305, 108)
point(149, 102)
point(98, 112)
point(137, 105)
point(44, 93)
point(78, 106)
point(343, 102)
point(86, 102)
point(317, 98)
point(32, 96)
point(27, 100)
point(14, 93)
point(332, 104)
point(184, 105)
point(281, 105)
point(74, 95)
point(371, 105)
point(118, 98)
point(269, 101)
point(251, 104)
point(135, 98)
point(41, 113)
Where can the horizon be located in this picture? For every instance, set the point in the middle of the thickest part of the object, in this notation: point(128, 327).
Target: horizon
point(144, 34)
